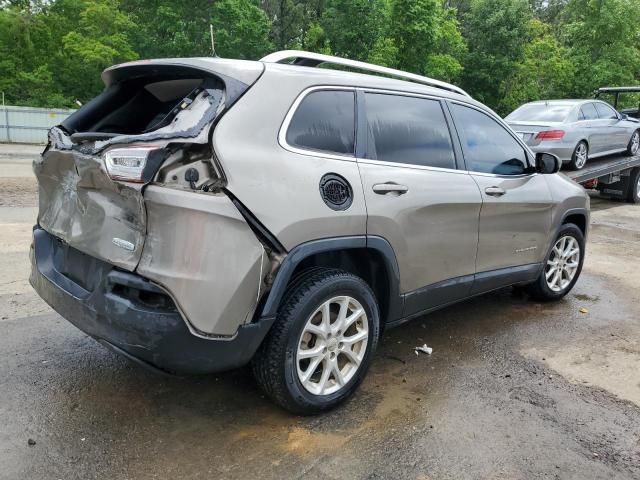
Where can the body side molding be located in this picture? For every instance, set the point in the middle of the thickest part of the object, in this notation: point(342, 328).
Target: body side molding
point(448, 292)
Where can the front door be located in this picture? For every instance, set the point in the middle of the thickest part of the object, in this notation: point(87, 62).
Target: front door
point(515, 219)
point(617, 137)
point(418, 200)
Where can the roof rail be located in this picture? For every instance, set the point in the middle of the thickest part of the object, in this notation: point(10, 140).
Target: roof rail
point(309, 59)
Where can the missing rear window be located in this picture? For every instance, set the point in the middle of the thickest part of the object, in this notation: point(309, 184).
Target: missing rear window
point(140, 105)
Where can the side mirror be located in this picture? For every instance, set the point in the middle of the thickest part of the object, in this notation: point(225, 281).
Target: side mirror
point(547, 163)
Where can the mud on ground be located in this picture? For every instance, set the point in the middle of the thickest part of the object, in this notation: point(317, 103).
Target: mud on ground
point(513, 390)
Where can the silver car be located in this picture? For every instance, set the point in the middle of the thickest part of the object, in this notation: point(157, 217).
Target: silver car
point(575, 130)
point(202, 214)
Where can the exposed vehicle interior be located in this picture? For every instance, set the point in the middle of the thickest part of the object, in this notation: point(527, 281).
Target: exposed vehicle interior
point(138, 105)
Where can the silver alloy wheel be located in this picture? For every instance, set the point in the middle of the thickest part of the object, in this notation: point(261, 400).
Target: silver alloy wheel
point(581, 155)
point(635, 142)
point(332, 345)
point(563, 263)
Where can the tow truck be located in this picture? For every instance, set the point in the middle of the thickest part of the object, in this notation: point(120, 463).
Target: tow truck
point(615, 92)
point(617, 176)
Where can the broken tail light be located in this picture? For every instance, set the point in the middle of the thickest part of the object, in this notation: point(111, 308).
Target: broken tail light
point(127, 164)
point(550, 135)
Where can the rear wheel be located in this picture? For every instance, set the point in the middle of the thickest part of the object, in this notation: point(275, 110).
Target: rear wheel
point(562, 266)
point(580, 156)
point(633, 194)
point(634, 144)
point(321, 344)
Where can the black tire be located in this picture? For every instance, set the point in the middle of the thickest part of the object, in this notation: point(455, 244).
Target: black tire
point(633, 190)
point(540, 290)
point(274, 365)
point(576, 163)
point(633, 148)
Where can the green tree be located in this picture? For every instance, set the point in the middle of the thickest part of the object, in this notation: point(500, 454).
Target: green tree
point(99, 39)
point(287, 22)
point(545, 72)
point(170, 29)
point(384, 52)
point(352, 27)
point(444, 62)
point(603, 38)
point(415, 29)
point(241, 29)
point(496, 33)
point(427, 38)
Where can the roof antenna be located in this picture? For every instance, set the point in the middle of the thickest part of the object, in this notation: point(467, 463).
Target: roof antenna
point(213, 45)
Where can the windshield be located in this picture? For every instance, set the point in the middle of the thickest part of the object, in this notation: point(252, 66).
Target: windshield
point(540, 112)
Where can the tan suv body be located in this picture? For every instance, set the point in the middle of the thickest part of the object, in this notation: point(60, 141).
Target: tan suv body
point(203, 213)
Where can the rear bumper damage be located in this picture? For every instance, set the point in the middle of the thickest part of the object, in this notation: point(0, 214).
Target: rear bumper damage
point(132, 315)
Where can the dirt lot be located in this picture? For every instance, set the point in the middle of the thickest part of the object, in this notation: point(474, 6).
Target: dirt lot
point(514, 389)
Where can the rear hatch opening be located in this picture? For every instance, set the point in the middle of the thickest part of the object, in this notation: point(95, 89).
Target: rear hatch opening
point(145, 108)
point(155, 99)
point(152, 121)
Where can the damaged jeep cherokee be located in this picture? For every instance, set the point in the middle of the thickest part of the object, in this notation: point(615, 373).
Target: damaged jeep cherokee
point(203, 214)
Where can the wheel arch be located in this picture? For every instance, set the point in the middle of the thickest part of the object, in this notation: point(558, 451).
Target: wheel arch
point(370, 257)
point(577, 216)
point(585, 140)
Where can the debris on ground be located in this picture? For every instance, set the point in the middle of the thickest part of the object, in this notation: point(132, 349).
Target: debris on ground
point(423, 349)
point(584, 310)
point(31, 442)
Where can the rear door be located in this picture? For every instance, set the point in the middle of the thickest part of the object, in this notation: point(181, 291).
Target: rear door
point(516, 203)
point(616, 138)
point(595, 129)
point(416, 197)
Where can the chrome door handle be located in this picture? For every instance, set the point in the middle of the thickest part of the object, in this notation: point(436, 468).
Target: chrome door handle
point(390, 188)
point(495, 191)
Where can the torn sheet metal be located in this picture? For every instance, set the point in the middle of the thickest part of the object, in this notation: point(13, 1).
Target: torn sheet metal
point(190, 124)
point(82, 206)
point(201, 250)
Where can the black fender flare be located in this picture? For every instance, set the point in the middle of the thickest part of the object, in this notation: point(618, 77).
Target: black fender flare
point(563, 219)
point(574, 211)
point(307, 249)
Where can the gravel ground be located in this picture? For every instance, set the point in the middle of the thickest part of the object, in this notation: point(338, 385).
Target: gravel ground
point(513, 390)
point(18, 192)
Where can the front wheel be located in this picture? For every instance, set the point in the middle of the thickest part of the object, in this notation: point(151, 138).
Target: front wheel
point(634, 144)
point(580, 156)
point(321, 344)
point(562, 266)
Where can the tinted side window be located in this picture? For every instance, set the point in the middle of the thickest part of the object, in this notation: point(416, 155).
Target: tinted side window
point(408, 130)
point(324, 120)
point(589, 111)
point(488, 146)
point(605, 111)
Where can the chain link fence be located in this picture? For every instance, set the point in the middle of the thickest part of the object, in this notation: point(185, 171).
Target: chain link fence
point(29, 124)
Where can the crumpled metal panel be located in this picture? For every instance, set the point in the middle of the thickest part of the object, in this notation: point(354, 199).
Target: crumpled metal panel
point(81, 205)
point(201, 250)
